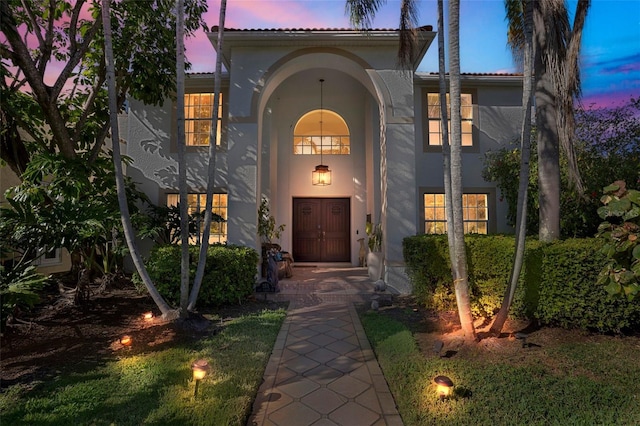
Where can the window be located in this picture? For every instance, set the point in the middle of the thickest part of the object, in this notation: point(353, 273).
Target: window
point(48, 257)
point(435, 123)
point(196, 204)
point(475, 214)
point(198, 110)
point(321, 131)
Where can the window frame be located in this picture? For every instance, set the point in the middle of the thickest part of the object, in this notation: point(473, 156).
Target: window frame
point(491, 206)
point(475, 132)
point(327, 149)
point(43, 260)
point(222, 237)
point(222, 121)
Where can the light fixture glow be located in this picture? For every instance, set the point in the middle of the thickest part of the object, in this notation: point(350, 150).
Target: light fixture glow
point(200, 369)
point(321, 176)
point(444, 387)
point(126, 341)
point(148, 316)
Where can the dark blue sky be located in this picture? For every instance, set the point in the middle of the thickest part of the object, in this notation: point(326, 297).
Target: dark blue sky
point(610, 59)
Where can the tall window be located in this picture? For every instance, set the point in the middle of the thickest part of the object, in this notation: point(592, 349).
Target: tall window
point(198, 110)
point(435, 122)
point(196, 204)
point(333, 139)
point(475, 214)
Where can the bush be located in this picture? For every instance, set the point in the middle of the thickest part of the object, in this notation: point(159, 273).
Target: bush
point(570, 296)
point(558, 284)
point(229, 277)
point(19, 287)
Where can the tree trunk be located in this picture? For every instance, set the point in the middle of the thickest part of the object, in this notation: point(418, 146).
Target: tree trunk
point(525, 137)
point(459, 255)
point(547, 132)
point(444, 119)
point(204, 244)
point(167, 313)
point(182, 166)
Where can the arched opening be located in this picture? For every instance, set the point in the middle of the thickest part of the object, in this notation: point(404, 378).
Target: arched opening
point(321, 131)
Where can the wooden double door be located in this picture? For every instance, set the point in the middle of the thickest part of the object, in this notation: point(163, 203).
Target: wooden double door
point(321, 230)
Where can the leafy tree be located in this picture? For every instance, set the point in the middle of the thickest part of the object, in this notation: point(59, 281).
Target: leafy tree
point(73, 112)
point(607, 146)
point(72, 103)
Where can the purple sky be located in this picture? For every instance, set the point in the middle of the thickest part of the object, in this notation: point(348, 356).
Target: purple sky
point(610, 60)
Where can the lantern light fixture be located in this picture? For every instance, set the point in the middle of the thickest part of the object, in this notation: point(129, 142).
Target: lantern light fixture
point(200, 369)
point(321, 176)
point(444, 387)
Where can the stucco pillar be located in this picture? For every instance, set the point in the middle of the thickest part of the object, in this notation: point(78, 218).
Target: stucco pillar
point(242, 157)
point(398, 174)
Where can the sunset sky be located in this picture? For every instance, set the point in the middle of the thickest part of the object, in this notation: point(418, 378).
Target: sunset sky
point(610, 50)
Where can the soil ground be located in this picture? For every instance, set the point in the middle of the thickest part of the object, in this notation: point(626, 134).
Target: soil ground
point(55, 335)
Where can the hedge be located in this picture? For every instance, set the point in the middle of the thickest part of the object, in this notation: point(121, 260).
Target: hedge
point(557, 286)
point(229, 277)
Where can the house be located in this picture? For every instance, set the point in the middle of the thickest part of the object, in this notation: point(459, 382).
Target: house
point(296, 99)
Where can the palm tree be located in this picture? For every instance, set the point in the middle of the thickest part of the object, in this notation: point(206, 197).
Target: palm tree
point(204, 244)
point(166, 310)
point(557, 49)
point(182, 166)
point(515, 8)
point(361, 13)
point(458, 254)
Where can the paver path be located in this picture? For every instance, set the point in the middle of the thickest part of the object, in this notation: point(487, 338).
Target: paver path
point(322, 370)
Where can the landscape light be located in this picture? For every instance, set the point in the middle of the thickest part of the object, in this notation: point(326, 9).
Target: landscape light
point(200, 369)
point(126, 340)
point(148, 316)
point(444, 386)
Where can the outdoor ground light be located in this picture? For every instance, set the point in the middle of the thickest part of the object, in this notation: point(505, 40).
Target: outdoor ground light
point(148, 316)
point(200, 369)
point(444, 387)
point(126, 341)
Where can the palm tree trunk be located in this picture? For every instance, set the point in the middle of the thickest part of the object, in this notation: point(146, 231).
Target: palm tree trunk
point(182, 167)
point(459, 255)
point(204, 244)
point(167, 312)
point(521, 215)
point(444, 120)
point(547, 130)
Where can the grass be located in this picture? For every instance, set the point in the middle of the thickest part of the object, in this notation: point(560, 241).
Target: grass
point(156, 388)
point(567, 384)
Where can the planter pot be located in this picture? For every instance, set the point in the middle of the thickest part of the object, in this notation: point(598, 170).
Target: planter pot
point(374, 265)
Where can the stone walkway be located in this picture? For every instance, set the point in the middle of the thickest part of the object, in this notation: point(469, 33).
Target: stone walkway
point(322, 370)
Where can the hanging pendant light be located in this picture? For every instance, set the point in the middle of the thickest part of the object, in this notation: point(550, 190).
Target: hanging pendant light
point(321, 176)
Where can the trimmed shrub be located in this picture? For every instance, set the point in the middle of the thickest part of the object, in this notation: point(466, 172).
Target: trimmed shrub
point(229, 277)
point(570, 296)
point(557, 285)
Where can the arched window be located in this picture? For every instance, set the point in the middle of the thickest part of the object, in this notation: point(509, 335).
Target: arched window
point(332, 138)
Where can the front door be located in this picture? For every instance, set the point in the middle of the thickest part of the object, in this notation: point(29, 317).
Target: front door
point(321, 230)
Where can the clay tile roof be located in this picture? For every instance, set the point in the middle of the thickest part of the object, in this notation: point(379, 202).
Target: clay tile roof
point(486, 74)
point(215, 28)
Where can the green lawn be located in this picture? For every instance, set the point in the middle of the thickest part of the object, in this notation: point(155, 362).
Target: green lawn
point(156, 388)
point(568, 384)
